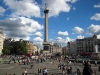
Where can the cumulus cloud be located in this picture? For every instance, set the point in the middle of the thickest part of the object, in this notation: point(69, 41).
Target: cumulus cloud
point(38, 39)
point(68, 39)
point(2, 10)
point(60, 40)
point(38, 34)
point(93, 29)
point(97, 6)
point(28, 8)
point(77, 30)
point(80, 37)
point(57, 6)
point(63, 33)
point(20, 27)
point(98, 36)
point(96, 17)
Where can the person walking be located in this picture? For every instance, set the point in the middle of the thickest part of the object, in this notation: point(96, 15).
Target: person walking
point(95, 62)
point(25, 72)
point(45, 71)
point(39, 71)
point(31, 64)
point(87, 69)
point(59, 66)
point(63, 69)
point(99, 68)
point(78, 71)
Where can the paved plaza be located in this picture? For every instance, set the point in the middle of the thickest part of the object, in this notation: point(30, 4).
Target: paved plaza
point(52, 68)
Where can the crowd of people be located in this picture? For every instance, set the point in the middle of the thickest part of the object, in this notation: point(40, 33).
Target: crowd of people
point(65, 65)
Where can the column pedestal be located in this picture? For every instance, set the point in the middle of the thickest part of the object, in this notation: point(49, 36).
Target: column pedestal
point(46, 46)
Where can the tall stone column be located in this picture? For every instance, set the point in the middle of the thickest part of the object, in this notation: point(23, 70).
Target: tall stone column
point(46, 11)
point(46, 44)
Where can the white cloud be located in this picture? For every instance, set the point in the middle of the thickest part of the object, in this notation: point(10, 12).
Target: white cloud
point(93, 29)
point(38, 34)
point(63, 33)
point(97, 6)
point(38, 39)
point(34, 24)
point(67, 18)
point(28, 8)
point(2, 10)
point(57, 6)
point(60, 40)
point(24, 38)
point(98, 36)
point(80, 37)
point(68, 0)
point(74, 1)
point(20, 27)
point(77, 30)
point(96, 17)
point(68, 39)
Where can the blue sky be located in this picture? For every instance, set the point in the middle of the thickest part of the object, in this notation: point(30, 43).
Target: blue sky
point(68, 19)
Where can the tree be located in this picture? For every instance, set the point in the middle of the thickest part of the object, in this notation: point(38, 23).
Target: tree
point(41, 51)
point(20, 48)
point(6, 50)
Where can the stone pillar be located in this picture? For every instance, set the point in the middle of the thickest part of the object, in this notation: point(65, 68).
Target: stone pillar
point(46, 11)
point(46, 44)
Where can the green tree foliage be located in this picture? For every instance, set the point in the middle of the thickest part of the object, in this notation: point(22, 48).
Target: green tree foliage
point(41, 51)
point(18, 48)
point(6, 50)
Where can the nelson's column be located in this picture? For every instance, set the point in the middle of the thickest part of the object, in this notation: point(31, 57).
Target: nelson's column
point(46, 44)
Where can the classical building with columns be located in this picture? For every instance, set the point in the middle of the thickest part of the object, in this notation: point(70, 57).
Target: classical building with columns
point(1, 41)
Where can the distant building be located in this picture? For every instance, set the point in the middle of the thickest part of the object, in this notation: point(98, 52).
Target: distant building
point(87, 44)
point(1, 41)
point(65, 50)
point(55, 48)
point(8, 41)
point(72, 47)
point(36, 50)
point(29, 46)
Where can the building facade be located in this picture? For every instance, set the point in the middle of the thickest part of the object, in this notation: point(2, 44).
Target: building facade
point(8, 41)
point(55, 48)
point(65, 50)
point(36, 50)
point(29, 46)
point(87, 44)
point(72, 47)
point(1, 41)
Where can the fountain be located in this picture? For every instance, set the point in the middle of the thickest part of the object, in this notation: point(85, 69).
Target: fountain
point(95, 55)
